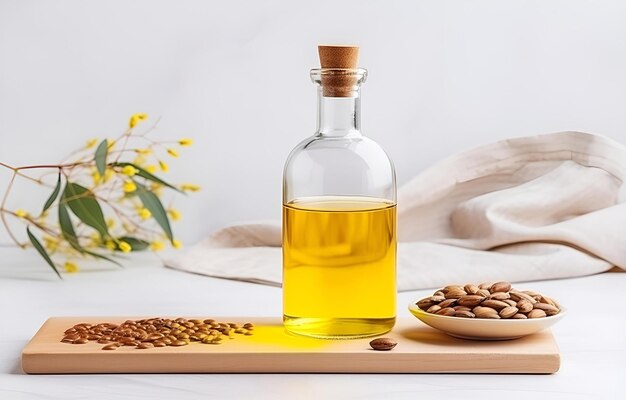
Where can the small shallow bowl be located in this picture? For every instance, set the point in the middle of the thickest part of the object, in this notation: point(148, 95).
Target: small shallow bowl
point(485, 329)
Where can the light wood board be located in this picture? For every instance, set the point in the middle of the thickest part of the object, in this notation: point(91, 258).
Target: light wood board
point(420, 349)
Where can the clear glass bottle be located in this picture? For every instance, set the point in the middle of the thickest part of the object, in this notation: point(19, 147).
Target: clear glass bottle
point(339, 221)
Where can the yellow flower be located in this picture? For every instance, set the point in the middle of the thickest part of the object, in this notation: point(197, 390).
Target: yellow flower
point(125, 247)
point(185, 142)
point(91, 143)
point(172, 153)
point(144, 213)
point(95, 238)
point(21, 213)
point(137, 118)
point(129, 170)
point(110, 244)
point(151, 168)
point(70, 267)
point(143, 152)
point(50, 243)
point(139, 160)
point(190, 187)
point(164, 166)
point(157, 246)
point(177, 244)
point(175, 215)
point(108, 174)
point(129, 186)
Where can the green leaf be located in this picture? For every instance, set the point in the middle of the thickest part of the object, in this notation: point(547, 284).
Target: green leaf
point(42, 251)
point(84, 205)
point(145, 174)
point(101, 156)
point(153, 204)
point(135, 243)
point(67, 228)
point(53, 195)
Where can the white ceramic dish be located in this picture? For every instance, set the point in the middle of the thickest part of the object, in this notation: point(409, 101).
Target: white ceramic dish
point(485, 329)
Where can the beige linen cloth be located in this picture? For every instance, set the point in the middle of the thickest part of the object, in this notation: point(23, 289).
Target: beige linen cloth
point(531, 208)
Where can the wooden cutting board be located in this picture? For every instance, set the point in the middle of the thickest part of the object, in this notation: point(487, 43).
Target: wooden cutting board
point(420, 349)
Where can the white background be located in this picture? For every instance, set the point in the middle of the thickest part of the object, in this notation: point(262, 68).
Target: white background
point(444, 76)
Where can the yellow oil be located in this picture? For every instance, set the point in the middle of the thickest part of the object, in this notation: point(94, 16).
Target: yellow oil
point(339, 266)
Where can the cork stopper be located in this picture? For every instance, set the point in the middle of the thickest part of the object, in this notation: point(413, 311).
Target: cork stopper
point(339, 83)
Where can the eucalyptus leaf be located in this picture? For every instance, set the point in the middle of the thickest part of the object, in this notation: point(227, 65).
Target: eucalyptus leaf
point(84, 205)
point(153, 204)
point(54, 194)
point(145, 174)
point(67, 229)
point(42, 251)
point(101, 156)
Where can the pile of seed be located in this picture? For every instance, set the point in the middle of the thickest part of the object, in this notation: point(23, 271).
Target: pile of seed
point(155, 332)
point(487, 300)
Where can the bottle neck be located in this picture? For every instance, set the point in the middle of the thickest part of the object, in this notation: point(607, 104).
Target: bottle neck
point(338, 116)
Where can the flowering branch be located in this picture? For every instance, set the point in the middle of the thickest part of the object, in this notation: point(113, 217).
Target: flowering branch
point(104, 202)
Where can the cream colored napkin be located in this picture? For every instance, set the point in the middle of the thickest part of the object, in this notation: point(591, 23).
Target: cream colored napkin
point(531, 208)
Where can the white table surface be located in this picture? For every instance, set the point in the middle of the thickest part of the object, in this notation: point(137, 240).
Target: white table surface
point(592, 338)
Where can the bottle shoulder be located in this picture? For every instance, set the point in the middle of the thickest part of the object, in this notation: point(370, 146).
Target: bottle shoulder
point(349, 146)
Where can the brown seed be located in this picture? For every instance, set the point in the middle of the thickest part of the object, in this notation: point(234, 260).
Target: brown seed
point(94, 337)
point(471, 289)
point(446, 289)
point(483, 292)
point(547, 308)
point(437, 299)
point(462, 308)
point(155, 336)
point(112, 346)
point(519, 316)
point(433, 309)
point(485, 285)
point(439, 293)
point(485, 312)
point(536, 313)
point(426, 303)
point(158, 343)
point(145, 345)
point(471, 300)
point(495, 304)
point(383, 344)
point(81, 340)
point(103, 341)
point(248, 325)
point(500, 287)
point(455, 293)
point(179, 343)
point(524, 306)
point(548, 300)
point(464, 314)
point(510, 302)
point(508, 312)
point(249, 333)
point(447, 303)
point(499, 296)
point(517, 296)
point(448, 311)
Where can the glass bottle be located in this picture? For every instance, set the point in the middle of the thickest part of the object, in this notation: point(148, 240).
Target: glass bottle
point(339, 216)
